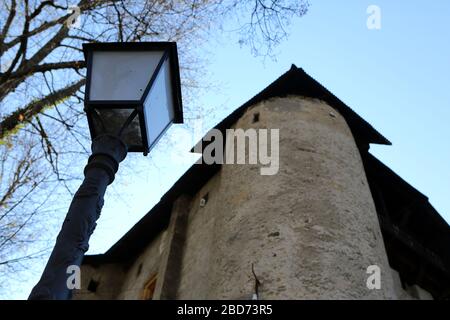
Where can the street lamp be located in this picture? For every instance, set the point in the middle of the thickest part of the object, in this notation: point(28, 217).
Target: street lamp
point(135, 85)
point(132, 96)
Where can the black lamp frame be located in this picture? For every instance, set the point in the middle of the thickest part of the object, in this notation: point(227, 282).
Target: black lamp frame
point(170, 52)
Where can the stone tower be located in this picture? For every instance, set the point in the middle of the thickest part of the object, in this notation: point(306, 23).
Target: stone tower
point(310, 231)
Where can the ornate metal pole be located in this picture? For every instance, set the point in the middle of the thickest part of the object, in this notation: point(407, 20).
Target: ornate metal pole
point(73, 239)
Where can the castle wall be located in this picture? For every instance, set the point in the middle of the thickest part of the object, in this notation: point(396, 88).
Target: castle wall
point(142, 269)
point(124, 281)
point(310, 231)
point(100, 282)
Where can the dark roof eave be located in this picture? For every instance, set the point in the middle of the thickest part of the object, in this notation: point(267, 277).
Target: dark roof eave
point(156, 220)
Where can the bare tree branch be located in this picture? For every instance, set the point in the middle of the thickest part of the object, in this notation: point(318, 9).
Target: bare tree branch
point(32, 69)
point(14, 120)
point(9, 20)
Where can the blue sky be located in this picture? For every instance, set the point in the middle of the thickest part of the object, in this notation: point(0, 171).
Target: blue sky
point(397, 78)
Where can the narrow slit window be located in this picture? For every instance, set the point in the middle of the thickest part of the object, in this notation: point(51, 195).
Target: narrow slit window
point(255, 117)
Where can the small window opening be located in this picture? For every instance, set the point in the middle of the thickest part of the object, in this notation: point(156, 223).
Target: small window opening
point(255, 117)
point(92, 286)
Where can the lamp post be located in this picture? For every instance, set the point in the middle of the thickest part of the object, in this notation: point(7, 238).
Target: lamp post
point(132, 96)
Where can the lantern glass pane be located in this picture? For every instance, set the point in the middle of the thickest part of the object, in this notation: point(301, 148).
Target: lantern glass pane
point(158, 106)
point(112, 121)
point(121, 75)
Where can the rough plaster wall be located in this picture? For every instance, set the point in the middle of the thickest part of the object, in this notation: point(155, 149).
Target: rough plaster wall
point(147, 263)
point(109, 278)
point(119, 281)
point(199, 250)
point(311, 230)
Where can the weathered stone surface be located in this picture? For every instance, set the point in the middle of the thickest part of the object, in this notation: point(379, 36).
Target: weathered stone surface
point(310, 231)
point(142, 269)
point(107, 280)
